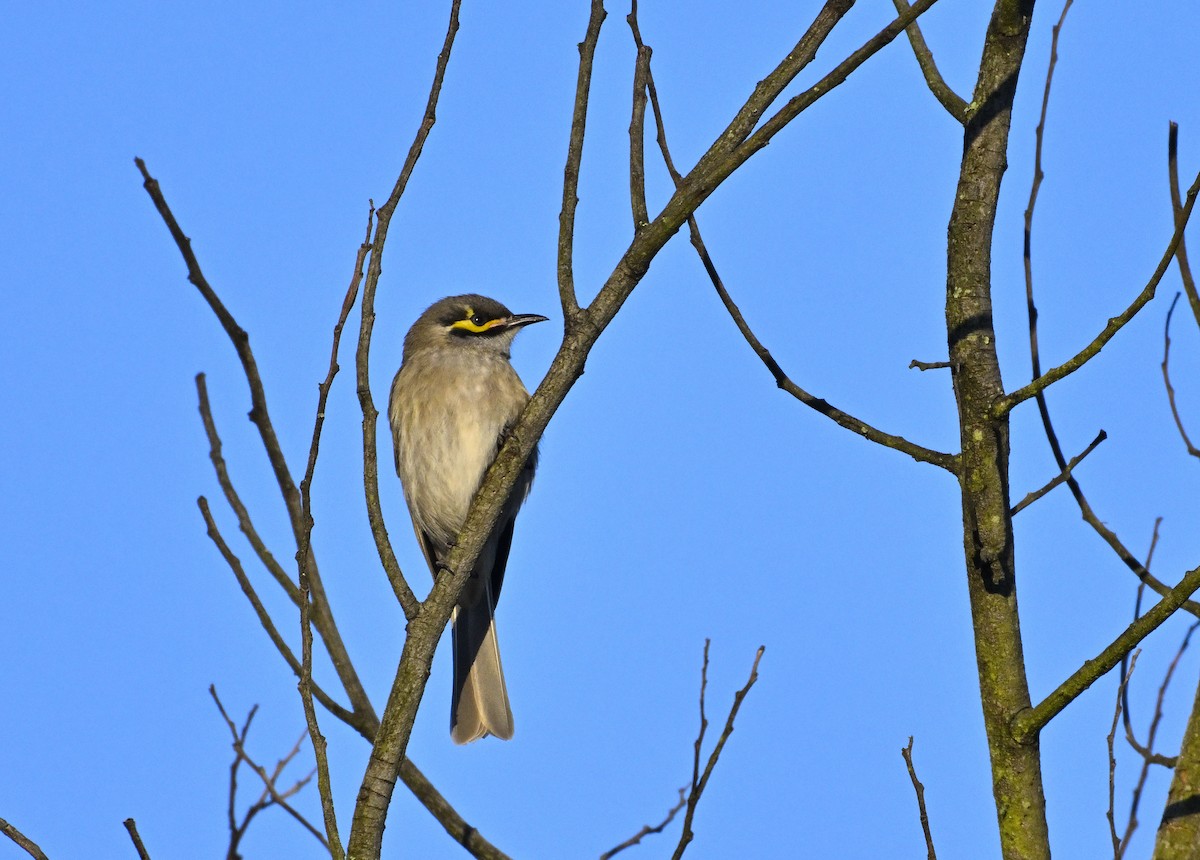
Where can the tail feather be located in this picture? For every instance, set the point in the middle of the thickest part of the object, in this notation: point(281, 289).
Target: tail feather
point(479, 706)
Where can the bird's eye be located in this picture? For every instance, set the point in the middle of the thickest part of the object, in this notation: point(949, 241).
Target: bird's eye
point(478, 320)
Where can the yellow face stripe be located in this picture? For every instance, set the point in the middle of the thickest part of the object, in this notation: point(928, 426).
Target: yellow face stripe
point(467, 325)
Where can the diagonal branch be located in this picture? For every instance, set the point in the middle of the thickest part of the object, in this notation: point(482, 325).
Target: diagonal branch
point(845, 420)
point(954, 104)
point(1028, 723)
point(722, 158)
point(840, 73)
point(1114, 325)
point(23, 842)
point(1061, 477)
point(351, 719)
point(262, 420)
point(647, 830)
point(136, 838)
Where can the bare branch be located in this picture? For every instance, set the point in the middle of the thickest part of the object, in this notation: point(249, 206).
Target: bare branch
point(23, 842)
point(387, 555)
point(366, 831)
point(1114, 325)
point(408, 686)
point(700, 780)
point(637, 132)
point(920, 792)
point(131, 826)
point(1191, 449)
point(1137, 613)
point(332, 840)
point(262, 420)
point(1060, 478)
point(928, 365)
point(835, 78)
point(647, 830)
point(1028, 723)
point(570, 197)
point(245, 524)
point(1112, 759)
point(954, 104)
point(1085, 508)
point(1185, 269)
point(1150, 758)
point(845, 420)
point(241, 342)
point(264, 617)
point(271, 794)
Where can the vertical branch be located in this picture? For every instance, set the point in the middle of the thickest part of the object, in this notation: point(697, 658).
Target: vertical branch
point(637, 128)
point(1166, 374)
point(987, 520)
point(570, 198)
point(370, 811)
point(387, 555)
point(1112, 758)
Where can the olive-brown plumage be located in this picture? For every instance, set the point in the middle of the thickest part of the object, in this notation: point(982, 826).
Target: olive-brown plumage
point(452, 401)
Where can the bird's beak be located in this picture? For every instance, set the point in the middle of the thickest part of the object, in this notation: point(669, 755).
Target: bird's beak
point(522, 320)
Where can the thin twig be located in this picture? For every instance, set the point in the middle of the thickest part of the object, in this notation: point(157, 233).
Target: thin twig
point(131, 826)
point(1112, 760)
point(331, 840)
point(928, 365)
point(700, 780)
point(24, 842)
point(1126, 711)
point(271, 794)
point(782, 380)
point(954, 104)
point(1185, 269)
point(919, 789)
point(1150, 758)
point(1060, 478)
point(570, 196)
point(1166, 362)
point(647, 830)
point(387, 555)
point(264, 618)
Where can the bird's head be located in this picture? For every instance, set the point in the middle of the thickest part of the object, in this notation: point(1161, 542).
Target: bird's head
point(467, 322)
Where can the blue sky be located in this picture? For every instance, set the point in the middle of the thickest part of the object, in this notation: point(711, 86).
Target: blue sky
point(680, 494)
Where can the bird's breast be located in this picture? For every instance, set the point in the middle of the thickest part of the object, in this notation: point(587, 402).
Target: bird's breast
point(448, 421)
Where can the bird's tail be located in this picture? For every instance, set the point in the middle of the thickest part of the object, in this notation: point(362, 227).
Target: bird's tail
point(479, 706)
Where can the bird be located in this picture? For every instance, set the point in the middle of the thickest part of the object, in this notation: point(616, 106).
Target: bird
point(451, 406)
